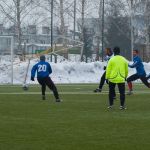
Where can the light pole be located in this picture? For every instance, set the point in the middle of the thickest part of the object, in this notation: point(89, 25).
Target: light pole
point(132, 35)
point(74, 26)
point(103, 9)
point(147, 18)
point(52, 3)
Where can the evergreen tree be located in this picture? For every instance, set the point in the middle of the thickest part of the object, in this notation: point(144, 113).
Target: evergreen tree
point(118, 32)
point(88, 40)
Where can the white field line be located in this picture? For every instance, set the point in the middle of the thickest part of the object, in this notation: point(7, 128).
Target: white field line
point(69, 93)
point(61, 85)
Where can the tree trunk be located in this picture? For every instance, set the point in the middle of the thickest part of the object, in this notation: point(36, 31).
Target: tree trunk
point(18, 25)
point(147, 15)
point(82, 25)
point(99, 36)
point(62, 27)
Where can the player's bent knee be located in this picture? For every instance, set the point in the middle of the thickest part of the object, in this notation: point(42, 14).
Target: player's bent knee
point(128, 80)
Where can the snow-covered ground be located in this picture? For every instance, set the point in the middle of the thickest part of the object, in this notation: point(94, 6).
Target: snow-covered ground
point(63, 72)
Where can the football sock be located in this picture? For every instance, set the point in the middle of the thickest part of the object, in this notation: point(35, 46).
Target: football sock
point(130, 86)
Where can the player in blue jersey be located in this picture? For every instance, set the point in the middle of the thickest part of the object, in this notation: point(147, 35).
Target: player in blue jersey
point(43, 70)
point(140, 72)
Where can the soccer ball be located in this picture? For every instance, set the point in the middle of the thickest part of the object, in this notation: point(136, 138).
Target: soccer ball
point(25, 87)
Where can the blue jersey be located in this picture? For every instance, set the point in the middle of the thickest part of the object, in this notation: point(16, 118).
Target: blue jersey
point(42, 68)
point(137, 63)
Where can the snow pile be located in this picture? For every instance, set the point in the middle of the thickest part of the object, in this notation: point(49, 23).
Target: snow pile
point(77, 72)
point(63, 72)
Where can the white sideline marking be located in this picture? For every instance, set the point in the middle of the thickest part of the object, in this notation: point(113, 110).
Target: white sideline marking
point(39, 93)
point(60, 84)
point(67, 93)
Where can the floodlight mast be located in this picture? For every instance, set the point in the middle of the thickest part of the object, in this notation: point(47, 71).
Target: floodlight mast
point(52, 4)
point(103, 9)
point(74, 25)
point(132, 35)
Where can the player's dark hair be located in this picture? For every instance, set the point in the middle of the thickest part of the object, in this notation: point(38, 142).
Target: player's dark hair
point(116, 50)
point(42, 58)
point(136, 50)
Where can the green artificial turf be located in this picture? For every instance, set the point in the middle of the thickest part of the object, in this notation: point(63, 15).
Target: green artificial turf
point(81, 122)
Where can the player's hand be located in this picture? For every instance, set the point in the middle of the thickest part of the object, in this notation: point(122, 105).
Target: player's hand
point(32, 78)
point(104, 68)
point(107, 81)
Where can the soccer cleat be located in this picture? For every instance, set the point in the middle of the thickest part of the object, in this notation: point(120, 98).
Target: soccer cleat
point(122, 108)
point(130, 92)
point(148, 76)
point(110, 107)
point(43, 97)
point(25, 87)
point(58, 100)
point(97, 90)
point(114, 97)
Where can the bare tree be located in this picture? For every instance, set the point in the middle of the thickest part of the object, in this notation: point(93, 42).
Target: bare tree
point(62, 25)
point(147, 18)
point(83, 3)
point(99, 36)
point(16, 11)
